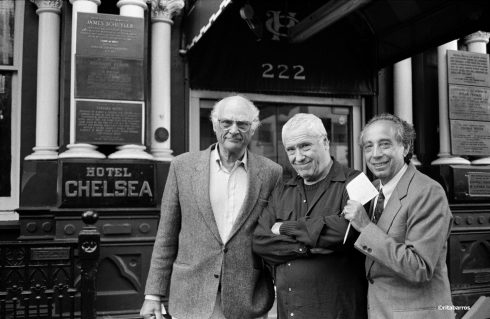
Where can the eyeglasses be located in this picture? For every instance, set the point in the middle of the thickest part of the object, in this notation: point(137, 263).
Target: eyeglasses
point(243, 126)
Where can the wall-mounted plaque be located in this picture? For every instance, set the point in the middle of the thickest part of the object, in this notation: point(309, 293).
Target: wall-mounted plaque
point(470, 138)
point(479, 184)
point(109, 78)
point(468, 68)
point(110, 35)
point(118, 183)
point(105, 122)
point(469, 103)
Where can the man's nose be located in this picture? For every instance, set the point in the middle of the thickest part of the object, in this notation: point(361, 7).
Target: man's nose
point(298, 155)
point(233, 128)
point(376, 151)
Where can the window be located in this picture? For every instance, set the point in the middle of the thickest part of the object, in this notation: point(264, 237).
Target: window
point(341, 118)
point(11, 20)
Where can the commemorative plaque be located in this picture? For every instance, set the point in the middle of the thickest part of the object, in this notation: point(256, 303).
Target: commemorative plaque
point(109, 78)
point(479, 184)
point(105, 122)
point(470, 138)
point(469, 103)
point(109, 35)
point(468, 68)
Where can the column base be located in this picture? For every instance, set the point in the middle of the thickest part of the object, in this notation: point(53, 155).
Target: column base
point(131, 151)
point(481, 161)
point(81, 150)
point(43, 153)
point(415, 161)
point(164, 155)
point(450, 160)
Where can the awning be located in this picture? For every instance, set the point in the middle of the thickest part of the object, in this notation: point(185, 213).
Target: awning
point(397, 28)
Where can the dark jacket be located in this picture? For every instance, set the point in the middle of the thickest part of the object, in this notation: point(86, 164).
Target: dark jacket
point(326, 282)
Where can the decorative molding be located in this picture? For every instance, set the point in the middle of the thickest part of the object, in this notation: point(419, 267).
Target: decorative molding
point(140, 3)
point(48, 5)
point(166, 9)
point(479, 36)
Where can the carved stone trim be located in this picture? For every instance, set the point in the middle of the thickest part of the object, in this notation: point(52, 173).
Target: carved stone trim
point(48, 5)
point(479, 36)
point(165, 9)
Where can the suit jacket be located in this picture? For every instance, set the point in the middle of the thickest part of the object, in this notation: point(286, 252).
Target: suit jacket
point(190, 264)
point(406, 252)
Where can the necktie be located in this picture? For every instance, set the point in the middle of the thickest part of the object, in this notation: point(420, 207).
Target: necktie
point(379, 206)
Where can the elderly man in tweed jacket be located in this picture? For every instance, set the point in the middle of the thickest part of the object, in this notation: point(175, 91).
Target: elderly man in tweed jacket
point(202, 259)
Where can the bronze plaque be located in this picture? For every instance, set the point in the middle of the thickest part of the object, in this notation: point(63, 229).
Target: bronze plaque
point(479, 184)
point(100, 183)
point(104, 122)
point(109, 78)
point(468, 68)
point(469, 103)
point(470, 138)
point(50, 253)
point(110, 35)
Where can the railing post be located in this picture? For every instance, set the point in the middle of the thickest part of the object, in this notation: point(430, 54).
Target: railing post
point(88, 250)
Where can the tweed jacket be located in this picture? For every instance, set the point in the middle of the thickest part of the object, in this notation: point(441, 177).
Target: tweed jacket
point(406, 252)
point(190, 263)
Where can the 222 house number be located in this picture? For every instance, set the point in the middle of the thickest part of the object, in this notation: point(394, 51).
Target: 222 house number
point(283, 71)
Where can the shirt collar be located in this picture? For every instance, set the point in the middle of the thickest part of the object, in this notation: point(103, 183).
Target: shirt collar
point(216, 159)
point(390, 186)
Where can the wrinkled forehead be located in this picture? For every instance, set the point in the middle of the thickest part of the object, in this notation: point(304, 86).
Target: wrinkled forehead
point(298, 136)
point(380, 130)
point(235, 110)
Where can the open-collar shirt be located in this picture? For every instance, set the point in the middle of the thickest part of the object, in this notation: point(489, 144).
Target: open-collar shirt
point(227, 191)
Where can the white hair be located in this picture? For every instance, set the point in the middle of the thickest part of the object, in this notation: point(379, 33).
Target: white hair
point(218, 108)
point(309, 122)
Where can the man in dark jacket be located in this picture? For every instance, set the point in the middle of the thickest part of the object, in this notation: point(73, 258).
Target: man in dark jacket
point(301, 232)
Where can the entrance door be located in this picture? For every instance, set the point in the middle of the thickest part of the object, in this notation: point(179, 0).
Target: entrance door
point(341, 118)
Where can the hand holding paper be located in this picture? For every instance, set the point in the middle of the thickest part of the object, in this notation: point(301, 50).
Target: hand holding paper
point(362, 190)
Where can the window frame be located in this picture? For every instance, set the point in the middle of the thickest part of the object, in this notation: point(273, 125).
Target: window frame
point(8, 204)
point(355, 102)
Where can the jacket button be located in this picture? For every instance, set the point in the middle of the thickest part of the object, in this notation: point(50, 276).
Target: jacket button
point(364, 247)
point(371, 281)
point(225, 250)
point(216, 276)
point(369, 250)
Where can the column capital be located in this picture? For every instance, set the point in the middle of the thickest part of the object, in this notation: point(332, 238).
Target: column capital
point(479, 36)
point(165, 9)
point(48, 5)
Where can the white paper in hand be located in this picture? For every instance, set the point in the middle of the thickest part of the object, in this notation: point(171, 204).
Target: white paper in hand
point(362, 190)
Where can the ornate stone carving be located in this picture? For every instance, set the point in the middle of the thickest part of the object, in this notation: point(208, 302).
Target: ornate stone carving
point(479, 36)
point(166, 8)
point(48, 4)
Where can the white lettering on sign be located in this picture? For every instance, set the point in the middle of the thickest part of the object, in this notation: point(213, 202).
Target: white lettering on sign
point(101, 188)
point(283, 71)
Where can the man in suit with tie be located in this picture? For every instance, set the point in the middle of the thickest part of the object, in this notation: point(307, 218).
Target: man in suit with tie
point(202, 259)
point(405, 241)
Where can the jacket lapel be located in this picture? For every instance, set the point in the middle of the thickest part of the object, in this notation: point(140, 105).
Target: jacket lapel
point(200, 187)
point(253, 191)
point(393, 206)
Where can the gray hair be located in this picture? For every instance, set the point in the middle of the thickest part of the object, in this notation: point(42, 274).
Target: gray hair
point(218, 107)
point(404, 132)
point(310, 122)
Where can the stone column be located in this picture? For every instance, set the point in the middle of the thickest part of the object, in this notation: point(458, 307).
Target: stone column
point(402, 94)
point(444, 156)
point(477, 42)
point(47, 98)
point(162, 12)
point(82, 150)
point(136, 9)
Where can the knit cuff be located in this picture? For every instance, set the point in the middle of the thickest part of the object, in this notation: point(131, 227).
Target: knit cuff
point(288, 228)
